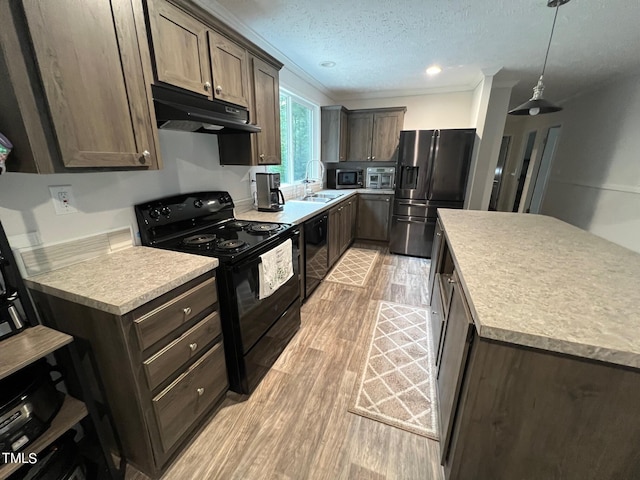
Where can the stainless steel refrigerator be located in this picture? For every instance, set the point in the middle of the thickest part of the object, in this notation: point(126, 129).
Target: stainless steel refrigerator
point(433, 168)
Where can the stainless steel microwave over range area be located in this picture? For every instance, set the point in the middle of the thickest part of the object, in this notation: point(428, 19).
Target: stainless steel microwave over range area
point(345, 178)
point(255, 328)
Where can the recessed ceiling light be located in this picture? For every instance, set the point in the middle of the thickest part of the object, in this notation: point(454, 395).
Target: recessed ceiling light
point(328, 64)
point(434, 70)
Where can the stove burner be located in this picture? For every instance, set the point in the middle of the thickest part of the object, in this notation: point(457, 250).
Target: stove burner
point(264, 227)
point(237, 224)
point(198, 240)
point(230, 245)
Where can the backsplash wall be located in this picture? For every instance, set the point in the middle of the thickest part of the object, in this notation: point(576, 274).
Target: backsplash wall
point(105, 199)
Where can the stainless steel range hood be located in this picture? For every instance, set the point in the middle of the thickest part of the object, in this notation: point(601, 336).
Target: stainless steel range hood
point(185, 112)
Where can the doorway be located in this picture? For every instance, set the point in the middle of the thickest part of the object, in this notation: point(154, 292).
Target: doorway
point(497, 179)
point(544, 170)
point(526, 160)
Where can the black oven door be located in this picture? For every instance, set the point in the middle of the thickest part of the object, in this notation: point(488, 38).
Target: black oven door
point(256, 316)
point(256, 331)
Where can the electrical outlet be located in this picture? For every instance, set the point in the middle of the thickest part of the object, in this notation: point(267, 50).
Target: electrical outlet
point(63, 200)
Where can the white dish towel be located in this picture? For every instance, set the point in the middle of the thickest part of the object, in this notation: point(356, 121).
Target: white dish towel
point(275, 268)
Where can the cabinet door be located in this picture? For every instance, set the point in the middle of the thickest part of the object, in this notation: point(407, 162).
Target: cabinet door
point(373, 217)
point(345, 225)
point(353, 217)
point(334, 236)
point(360, 136)
point(179, 48)
point(457, 337)
point(266, 113)
point(89, 61)
point(344, 136)
point(229, 64)
point(334, 133)
point(386, 136)
point(436, 256)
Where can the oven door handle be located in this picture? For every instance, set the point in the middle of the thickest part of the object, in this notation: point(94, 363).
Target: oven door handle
point(255, 258)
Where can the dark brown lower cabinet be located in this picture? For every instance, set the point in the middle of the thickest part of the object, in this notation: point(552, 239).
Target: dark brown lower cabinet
point(162, 365)
point(341, 228)
point(374, 212)
point(513, 412)
point(457, 332)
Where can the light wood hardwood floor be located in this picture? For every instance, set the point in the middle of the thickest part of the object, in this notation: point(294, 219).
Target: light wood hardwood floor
point(296, 424)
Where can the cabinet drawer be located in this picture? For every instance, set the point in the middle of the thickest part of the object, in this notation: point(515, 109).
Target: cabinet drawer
point(161, 321)
point(182, 402)
point(181, 350)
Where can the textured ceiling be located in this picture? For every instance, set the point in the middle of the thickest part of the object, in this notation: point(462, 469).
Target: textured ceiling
point(382, 47)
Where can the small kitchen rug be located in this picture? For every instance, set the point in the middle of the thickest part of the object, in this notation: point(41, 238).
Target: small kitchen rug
point(396, 384)
point(354, 267)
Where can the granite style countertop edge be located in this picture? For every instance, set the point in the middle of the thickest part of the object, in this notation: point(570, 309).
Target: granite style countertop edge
point(130, 296)
point(541, 342)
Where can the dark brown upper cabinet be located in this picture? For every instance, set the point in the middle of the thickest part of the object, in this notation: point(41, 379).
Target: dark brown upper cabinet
point(334, 134)
point(76, 96)
point(374, 134)
point(190, 55)
point(230, 70)
point(180, 48)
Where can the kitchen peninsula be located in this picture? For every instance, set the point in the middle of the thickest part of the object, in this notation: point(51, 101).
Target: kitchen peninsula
point(539, 349)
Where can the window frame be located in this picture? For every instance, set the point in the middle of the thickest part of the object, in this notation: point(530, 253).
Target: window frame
point(314, 136)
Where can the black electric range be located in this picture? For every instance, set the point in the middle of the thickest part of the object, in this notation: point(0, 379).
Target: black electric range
point(255, 331)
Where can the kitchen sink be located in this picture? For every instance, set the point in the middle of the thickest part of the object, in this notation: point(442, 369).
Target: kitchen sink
point(330, 196)
point(313, 198)
point(320, 197)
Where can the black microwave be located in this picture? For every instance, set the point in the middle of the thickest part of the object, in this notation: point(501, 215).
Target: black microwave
point(345, 178)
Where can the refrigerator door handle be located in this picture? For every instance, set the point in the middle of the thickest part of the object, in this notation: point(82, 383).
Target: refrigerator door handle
point(409, 204)
point(404, 220)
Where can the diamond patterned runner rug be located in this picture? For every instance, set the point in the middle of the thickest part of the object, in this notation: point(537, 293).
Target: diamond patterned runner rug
point(354, 267)
point(396, 384)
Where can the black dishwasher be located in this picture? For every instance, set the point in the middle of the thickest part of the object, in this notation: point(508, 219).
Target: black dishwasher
point(315, 252)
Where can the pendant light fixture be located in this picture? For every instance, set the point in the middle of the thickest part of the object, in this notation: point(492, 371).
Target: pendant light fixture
point(538, 105)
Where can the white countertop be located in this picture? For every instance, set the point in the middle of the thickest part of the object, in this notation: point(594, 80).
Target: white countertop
point(534, 280)
point(298, 211)
point(124, 280)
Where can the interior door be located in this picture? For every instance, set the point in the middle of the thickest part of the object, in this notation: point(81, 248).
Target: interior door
point(544, 170)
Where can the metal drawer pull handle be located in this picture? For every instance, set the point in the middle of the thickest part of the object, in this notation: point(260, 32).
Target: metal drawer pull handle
point(438, 234)
point(200, 391)
point(187, 310)
point(413, 204)
point(193, 346)
point(451, 280)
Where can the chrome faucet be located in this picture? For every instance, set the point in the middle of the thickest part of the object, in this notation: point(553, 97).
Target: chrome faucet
point(309, 180)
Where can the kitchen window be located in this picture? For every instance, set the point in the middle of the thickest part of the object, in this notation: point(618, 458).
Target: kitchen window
point(298, 136)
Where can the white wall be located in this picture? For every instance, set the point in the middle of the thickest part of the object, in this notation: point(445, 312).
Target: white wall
point(105, 199)
point(424, 112)
point(595, 179)
point(491, 102)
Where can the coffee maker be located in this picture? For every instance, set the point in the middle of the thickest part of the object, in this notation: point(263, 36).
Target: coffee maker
point(15, 306)
point(270, 197)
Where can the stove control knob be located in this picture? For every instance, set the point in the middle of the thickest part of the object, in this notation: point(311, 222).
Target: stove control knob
point(198, 203)
point(155, 213)
point(166, 211)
